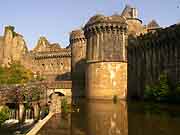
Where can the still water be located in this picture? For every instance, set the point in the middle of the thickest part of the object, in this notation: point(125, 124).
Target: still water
point(107, 118)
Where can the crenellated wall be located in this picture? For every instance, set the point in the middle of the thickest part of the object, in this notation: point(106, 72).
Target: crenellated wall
point(152, 54)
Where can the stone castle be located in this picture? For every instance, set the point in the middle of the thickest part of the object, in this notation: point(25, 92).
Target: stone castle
point(112, 56)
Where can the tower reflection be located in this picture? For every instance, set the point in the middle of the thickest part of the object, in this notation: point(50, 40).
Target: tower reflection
point(106, 118)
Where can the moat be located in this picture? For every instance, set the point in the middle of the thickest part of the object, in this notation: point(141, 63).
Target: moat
point(107, 61)
point(104, 118)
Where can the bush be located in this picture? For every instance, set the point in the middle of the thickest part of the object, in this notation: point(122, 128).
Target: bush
point(177, 92)
point(163, 90)
point(115, 99)
point(64, 105)
point(160, 91)
point(15, 74)
point(4, 114)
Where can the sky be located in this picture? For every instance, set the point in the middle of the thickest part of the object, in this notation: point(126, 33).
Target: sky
point(55, 19)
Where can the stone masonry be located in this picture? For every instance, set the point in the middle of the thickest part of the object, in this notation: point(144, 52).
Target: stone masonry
point(112, 56)
point(78, 62)
point(106, 73)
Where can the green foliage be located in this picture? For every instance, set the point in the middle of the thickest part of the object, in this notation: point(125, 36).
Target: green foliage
point(164, 86)
point(178, 89)
point(177, 92)
point(115, 99)
point(4, 114)
point(11, 28)
point(64, 105)
point(162, 90)
point(31, 92)
point(159, 91)
point(15, 74)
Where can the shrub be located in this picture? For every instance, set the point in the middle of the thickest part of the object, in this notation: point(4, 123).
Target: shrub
point(4, 114)
point(15, 74)
point(64, 105)
point(115, 99)
point(177, 91)
point(160, 91)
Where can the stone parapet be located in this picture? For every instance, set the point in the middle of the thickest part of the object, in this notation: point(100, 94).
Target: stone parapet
point(151, 55)
point(77, 36)
point(101, 24)
point(106, 38)
point(56, 54)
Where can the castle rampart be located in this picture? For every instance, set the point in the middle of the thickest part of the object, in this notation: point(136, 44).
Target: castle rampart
point(152, 54)
point(110, 57)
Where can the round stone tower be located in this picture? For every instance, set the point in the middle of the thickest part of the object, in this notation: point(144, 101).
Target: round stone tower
point(106, 73)
point(78, 51)
point(135, 26)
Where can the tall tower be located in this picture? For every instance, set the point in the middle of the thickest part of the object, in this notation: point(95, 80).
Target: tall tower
point(106, 75)
point(78, 51)
point(135, 26)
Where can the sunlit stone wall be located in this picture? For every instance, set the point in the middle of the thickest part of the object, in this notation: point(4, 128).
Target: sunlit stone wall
point(55, 66)
point(106, 73)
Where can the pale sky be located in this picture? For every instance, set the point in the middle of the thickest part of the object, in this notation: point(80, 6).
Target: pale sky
point(55, 19)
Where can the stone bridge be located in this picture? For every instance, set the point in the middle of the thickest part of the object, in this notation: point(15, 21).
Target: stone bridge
point(50, 87)
point(62, 88)
point(51, 94)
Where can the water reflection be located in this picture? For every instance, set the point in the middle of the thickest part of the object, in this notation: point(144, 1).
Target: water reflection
point(153, 119)
point(106, 118)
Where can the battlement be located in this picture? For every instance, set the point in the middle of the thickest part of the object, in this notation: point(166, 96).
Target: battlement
point(161, 35)
point(51, 54)
point(77, 35)
point(101, 23)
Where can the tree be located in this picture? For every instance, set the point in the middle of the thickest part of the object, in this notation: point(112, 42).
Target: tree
point(15, 74)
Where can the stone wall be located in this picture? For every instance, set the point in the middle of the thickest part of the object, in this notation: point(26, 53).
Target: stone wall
point(106, 80)
point(78, 61)
point(51, 61)
point(1, 49)
point(53, 66)
point(13, 46)
point(152, 54)
point(106, 69)
point(46, 59)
